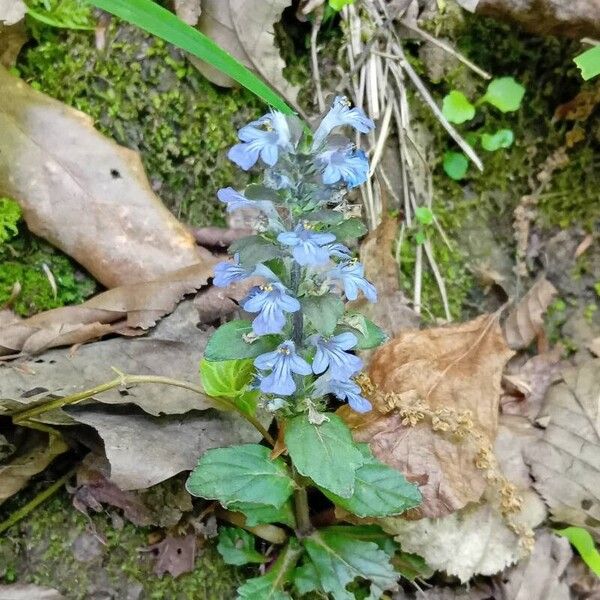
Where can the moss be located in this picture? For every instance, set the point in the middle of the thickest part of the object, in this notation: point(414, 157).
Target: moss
point(40, 550)
point(147, 96)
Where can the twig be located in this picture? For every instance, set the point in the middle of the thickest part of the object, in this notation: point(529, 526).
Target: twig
point(438, 278)
point(418, 279)
point(314, 58)
point(384, 132)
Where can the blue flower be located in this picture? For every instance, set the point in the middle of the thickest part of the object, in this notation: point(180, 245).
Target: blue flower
point(234, 201)
point(307, 246)
point(271, 301)
point(342, 114)
point(265, 138)
point(227, 273)
point(347, 391)
point(344, 163)
point(351, 275)
point(282, 362)
point(331, 353)
point(339, 251)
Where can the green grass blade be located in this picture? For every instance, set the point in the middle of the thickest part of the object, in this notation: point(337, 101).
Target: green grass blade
point(158, 21)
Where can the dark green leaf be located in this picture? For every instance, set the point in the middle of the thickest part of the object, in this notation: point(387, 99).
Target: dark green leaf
point(158, 21)
point(503, 138)
point(325, 453)
point(349, 229)
point(229, 342)
point(255, 249)
point(270, 586)
point(306, 578)
point(323, 312)
point(369, 335)
point(241, 474)
point(379, 490)
point(456, 108)
point(261, 192)
point(236, 546)
point(325, 217)
point(339, 558)
point(261, 514)
point(455, 165)
point(505, 94)
point(412, 566)
point(589, 62)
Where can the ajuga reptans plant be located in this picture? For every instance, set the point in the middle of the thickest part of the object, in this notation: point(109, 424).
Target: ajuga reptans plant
point(294, 360)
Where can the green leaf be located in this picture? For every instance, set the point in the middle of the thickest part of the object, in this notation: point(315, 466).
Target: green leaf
point(241, 474)
point(10, 214)
point(412, 566)
point(236, 546)
point(254, 249)
point(158, 21)
point(306, 579)
point(505, 94)
point(369, 335)
point(325, 453)
point(503, 138)
point(339, 558)
point(455, 165)
point(456, 108)
point(379, 490)
point(255, 191)
point(261, 514)
point(424, 215)
point(229, 342)
point(323, 312)
point(420, 237)
point(349, 229)
point(270, 586)
point(589, 62)
point(226, 378)
point(584, 544)
point(337, 5)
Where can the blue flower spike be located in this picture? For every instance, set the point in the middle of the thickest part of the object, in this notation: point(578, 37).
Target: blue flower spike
point(346, 390)
point(234, 200)
point(351, 275)
point(331, 356)
point(264, 138)
point(282, 363)
point(339, 115)
point(271, 301)
point(227, 273)
point(345, 164)
point(308, 247)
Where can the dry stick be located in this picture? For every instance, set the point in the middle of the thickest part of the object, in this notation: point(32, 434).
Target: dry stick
point(418, 279)
point(384, 132)
point(438, 278)
point(314, 59)
point(446, 47)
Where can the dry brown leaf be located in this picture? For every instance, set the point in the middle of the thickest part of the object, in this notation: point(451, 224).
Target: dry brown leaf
point(28, 591)
point(525, 321)
point(144, 450)
point(12, 38)
point(542, 576)
point(172, 349)
point(188, 11)
point(175, 555)
point(214, 303)
point(84, 193)
point(33, 455)
point(457, 367)
point(391, 311)
point(245, 29)
point(12, 11)
point(565, 463)
point(128, 309)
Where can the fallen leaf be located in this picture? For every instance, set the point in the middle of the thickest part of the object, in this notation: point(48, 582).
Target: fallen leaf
point(28, 591)
point(525, 321)
point(581, 106)
point(219, 237)
point(128, 309)
point(12, 38)
point(245, 29)
point(175, 555)
point(480, 591)
point(456, 367)
point(541, 576)
point(188, 10)
point(144, 450)
point(33, 454)
point(584, 584)
point(391, 311)
point(565, 463)
point(84, 193)
point(214, 303)
point(172, 349)
point(12, 11)
point(594, 346)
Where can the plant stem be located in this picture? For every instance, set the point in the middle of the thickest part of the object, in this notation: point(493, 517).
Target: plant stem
point(301, 509)
point(297, 318)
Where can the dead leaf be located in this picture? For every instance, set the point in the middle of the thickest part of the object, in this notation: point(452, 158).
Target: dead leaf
point(457, 367)
point(175, 555)
point(214, 303)
point(188, 11)
point(594, 346)
point(84, 193)
point(525, 321)
point(128, 309)
point(584, 584)
point(245, 29)
point(565, 463)
point(35, 452)
point(391, 311)
point(12, 11)
point(581, 106)
point(144, 450)
point(219, 237)
point(12, 38)
point(480, 591)
point(28, 591)
point(172, 349)
point(542, 576)
point(472, 541)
